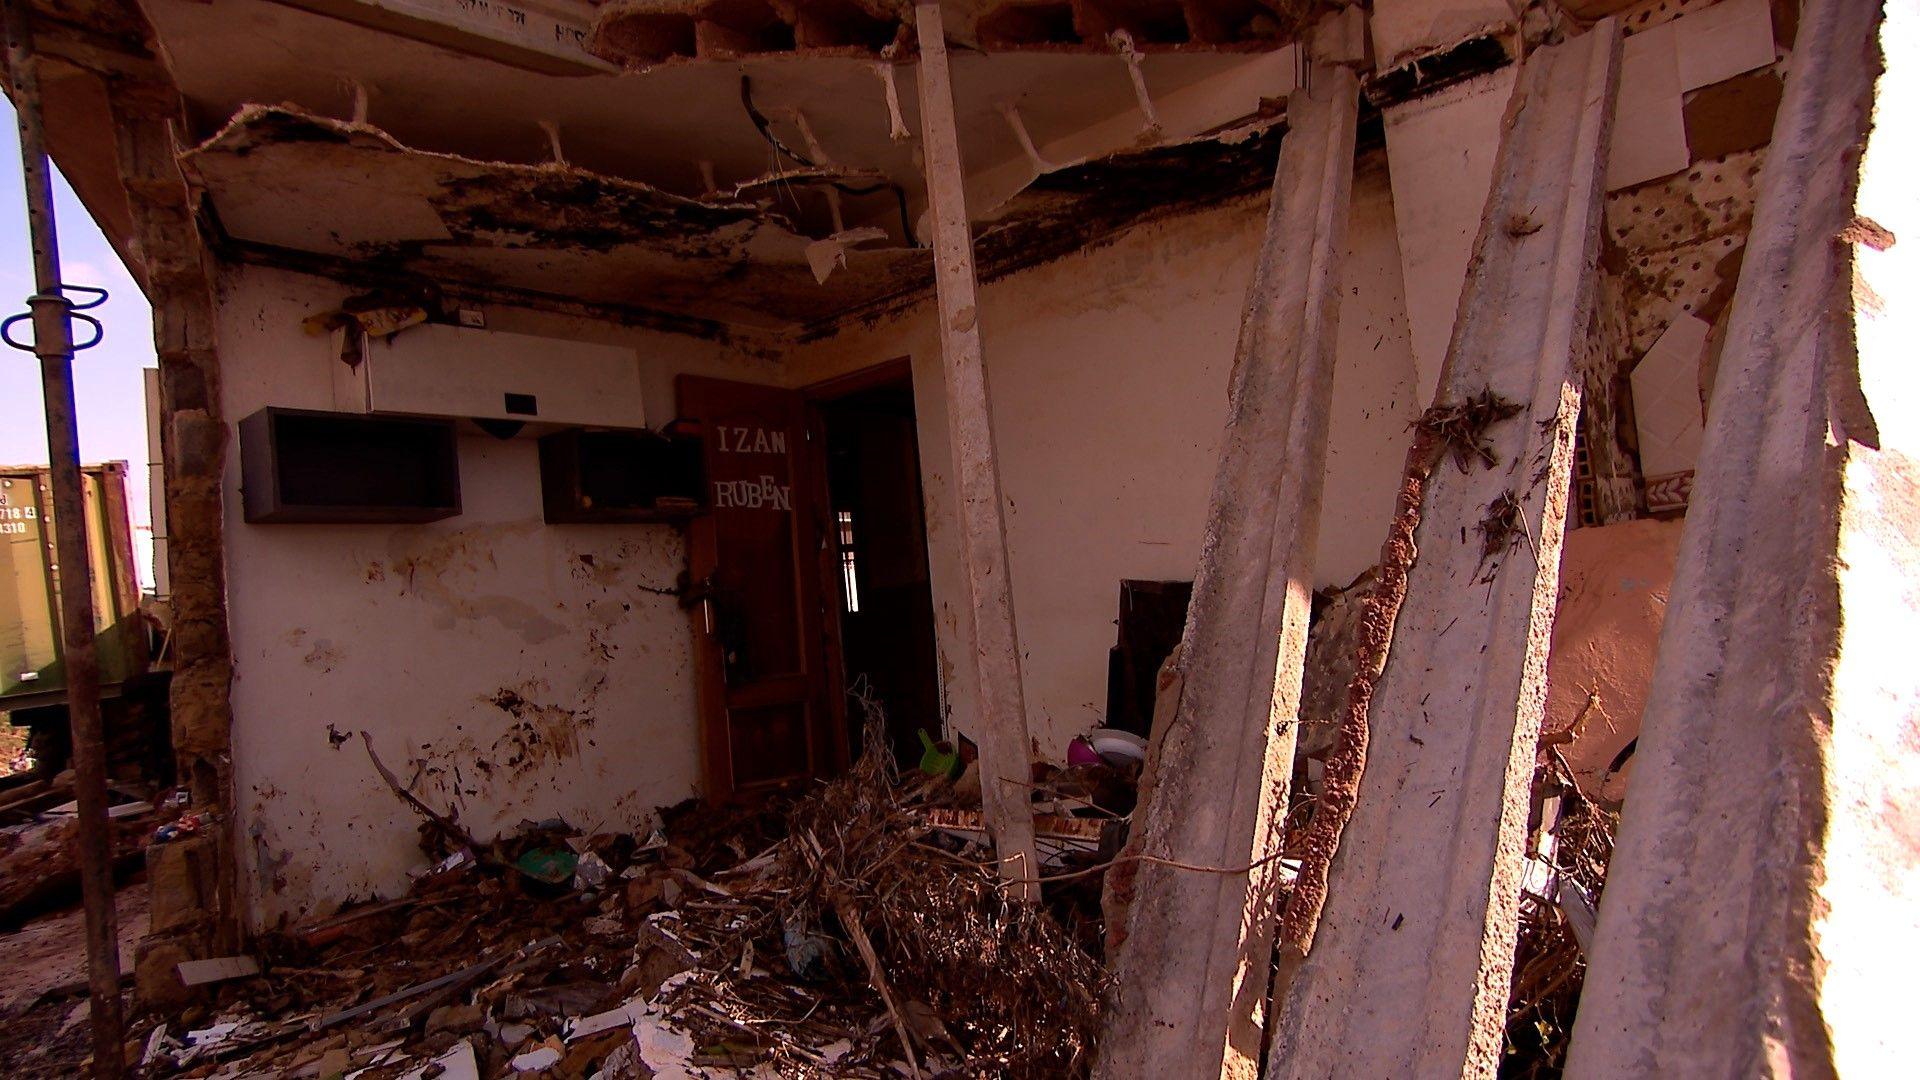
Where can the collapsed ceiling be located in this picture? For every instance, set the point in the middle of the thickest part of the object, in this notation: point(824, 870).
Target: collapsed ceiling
point(479, 148)
point(691, 191)
point(284, 181)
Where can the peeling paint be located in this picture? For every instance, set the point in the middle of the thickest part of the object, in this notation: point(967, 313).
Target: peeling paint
point(323, 656)
point(540, 735)
point(1070, 208)
point(736, 258)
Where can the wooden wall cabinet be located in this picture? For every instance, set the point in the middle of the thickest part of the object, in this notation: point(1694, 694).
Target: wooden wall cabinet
point(299, 466)
point(613, 477)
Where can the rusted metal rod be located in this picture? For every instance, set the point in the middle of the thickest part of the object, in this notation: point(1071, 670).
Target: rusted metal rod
point(53, 344)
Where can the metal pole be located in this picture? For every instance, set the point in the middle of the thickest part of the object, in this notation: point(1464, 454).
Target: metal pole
point(53, 344)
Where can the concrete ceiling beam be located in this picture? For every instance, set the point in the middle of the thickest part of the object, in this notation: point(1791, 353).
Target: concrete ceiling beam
point(1407, 967)
point(1001, 727)
point(1190, 980)
point(1762, 895)
point(643, 33)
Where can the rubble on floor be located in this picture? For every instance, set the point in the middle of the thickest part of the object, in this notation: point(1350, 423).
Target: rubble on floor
point(15, 757)
point(840, 935)
point(44, 1030)
point(858, 931)
point(43, 984)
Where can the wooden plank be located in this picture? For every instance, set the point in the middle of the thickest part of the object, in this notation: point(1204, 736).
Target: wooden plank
point(1408, 973)
point(1001, 727)
point(1192, 976)
point(1762, 895)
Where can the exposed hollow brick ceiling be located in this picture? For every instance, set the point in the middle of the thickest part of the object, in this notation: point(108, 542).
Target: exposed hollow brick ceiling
point(295, 173)
point(640, 33)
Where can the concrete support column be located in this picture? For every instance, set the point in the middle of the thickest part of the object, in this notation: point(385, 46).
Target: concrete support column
point(204, 919)
point(1407, 973)
point(1190, 981)
point(1762, 913)
point(1005, 748)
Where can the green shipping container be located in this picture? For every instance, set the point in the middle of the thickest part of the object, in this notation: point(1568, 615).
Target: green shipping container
point(31, 670)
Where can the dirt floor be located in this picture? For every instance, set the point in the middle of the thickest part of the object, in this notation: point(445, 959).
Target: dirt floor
point(43, 1006)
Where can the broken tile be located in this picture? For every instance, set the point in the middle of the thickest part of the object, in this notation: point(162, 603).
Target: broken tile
point(1649, 128)
point(1666, 398)
point(1733, 115)
point(1729, 38)
point(535, 1060)
point(218, 969)
point(458, 1063)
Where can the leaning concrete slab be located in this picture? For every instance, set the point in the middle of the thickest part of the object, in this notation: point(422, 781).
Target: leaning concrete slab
point(1763, 909)
point(1407, 973)
point(1191, 979)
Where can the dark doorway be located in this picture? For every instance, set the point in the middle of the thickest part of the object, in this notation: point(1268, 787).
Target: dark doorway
point(1153, 617)
point(877, 548)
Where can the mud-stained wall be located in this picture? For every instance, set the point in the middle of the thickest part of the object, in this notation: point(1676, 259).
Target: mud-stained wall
point(1107, 372)
point(518, 670)
point(524, 671)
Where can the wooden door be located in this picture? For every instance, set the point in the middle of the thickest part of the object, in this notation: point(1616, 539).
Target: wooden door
point(761, 650)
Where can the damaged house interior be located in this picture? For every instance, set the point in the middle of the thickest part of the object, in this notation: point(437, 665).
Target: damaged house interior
point(1037, 538)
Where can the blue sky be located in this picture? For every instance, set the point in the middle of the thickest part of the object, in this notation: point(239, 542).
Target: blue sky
point(107, 379)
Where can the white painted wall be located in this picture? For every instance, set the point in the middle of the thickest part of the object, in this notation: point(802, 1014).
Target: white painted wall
point(1377, 392)
point(1107, 374)
point(430, 637)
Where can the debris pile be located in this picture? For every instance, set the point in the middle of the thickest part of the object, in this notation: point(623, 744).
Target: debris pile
point(39, 868)
point(845, 934)
point(1567, 865)
point(861, 931)
point(15, 756)
point(865, 888)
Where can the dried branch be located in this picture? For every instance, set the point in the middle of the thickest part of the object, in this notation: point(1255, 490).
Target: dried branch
point(862, 944)
point(446, 824)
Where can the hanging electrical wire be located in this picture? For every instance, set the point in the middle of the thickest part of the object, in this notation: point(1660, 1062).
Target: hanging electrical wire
point(765, 127)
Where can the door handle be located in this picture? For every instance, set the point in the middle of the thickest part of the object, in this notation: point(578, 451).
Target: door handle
point(702, 594)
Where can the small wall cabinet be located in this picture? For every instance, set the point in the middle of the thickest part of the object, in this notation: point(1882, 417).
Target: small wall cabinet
point(302, 466)
point(597, 477)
